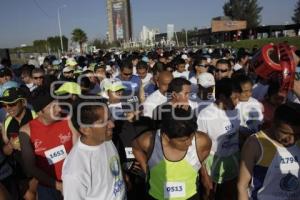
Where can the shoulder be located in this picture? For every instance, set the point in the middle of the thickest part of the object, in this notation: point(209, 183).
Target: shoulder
point(145, 140)
point(251, 148)
point(202, 139)
point(75, 160)
point(25, 129)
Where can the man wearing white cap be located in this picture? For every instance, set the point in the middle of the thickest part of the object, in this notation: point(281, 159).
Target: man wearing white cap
point(68, 74)
point(205, 94)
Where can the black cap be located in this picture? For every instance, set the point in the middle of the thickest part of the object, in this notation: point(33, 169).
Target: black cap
point(41, 98)
point(12, 95)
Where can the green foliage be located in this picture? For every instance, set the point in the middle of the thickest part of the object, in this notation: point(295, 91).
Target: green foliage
point(80, 37)
point(54, 43)
point(248, 10)
point(261, 42)
point(296, 17)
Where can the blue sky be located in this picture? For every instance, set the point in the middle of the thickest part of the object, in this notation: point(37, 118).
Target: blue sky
point(23, 21)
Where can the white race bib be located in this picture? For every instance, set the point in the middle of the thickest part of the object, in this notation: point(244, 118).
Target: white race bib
point(56, 154)
point(174, 190)
point(129, 153)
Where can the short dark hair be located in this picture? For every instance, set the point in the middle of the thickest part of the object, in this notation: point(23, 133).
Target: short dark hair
point(37, 70)
point(288, 113)
point(177, 83)
point(142, 65)
point(85, 111)
point(225, 87)
point(242, 79)
point(126, 64)
point(224, 61)
point(5, 71)
point(274, 88)
point(180, 126)
point(180, 61)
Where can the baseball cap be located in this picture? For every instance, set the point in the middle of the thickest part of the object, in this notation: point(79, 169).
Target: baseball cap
point(55, 62)
point(68, 88)
point(71, 62)
point(12, 95)
point(99, 65)
point(67, 69)
point(113, 85)
point(7, 85)
point(206, 80)
point(41, 97)
point(184, 57)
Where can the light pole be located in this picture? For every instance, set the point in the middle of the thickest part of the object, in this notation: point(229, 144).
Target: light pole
point(58, 17)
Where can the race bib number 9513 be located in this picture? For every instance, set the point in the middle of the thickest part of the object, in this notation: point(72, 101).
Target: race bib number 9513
point(56, 154)
point(174, 190)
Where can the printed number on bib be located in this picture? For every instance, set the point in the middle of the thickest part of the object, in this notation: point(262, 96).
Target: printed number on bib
point(129, 154)
point(288, 161)
point(56, 154)
point(174, 190)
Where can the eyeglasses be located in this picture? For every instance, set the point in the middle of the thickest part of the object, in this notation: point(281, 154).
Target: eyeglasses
point(221, 70)
point(9, 104)
point(38, 77)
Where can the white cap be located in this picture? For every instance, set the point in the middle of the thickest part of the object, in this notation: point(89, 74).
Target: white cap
point(206, 80)
point(67, 69)
point(184, 57)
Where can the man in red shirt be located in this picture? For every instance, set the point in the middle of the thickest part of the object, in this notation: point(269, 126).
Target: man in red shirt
point(45, 143)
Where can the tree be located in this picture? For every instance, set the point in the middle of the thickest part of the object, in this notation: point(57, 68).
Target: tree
point(296, 17)
point(54, 43)
point(79, 36)
point(248, 10)
point(40, 46)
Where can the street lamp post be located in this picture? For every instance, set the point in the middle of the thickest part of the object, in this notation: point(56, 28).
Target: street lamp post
point(59, 26)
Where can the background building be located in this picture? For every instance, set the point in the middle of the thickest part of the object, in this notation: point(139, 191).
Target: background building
point(170, 31)
point(119, 20)
point(147, 35)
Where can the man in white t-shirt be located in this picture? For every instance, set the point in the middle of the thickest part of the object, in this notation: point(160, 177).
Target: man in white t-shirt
point(92, 170)
point(142, 72)
point(220, 121)
point(180, 70)
point(159, 96)
point(243, 58)
point(250, 110)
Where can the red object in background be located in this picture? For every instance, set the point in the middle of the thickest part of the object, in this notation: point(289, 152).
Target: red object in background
point(14, 135)
point(276, 62)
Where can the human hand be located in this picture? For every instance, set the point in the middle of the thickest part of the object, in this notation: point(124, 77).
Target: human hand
point(59, 186)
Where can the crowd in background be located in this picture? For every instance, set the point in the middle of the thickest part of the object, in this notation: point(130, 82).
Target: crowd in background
point(159, 124)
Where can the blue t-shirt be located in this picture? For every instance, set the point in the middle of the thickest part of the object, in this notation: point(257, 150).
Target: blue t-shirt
point(150, 88)
point(132, 86)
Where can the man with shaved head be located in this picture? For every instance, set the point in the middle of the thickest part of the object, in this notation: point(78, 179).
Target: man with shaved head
point(159, 96)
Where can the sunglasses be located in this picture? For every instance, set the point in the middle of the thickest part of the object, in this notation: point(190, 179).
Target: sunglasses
point(38, 77)
point(203, 66)
point(125, 74)
point(9, 104)
point(222, 70)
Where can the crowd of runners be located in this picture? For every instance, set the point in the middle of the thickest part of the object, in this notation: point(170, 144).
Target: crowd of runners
point(155, 124)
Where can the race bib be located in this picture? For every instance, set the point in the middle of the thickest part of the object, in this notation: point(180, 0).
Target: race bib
point(174, 190)
point(129, 153)
point(56, 154)
point(288, 162)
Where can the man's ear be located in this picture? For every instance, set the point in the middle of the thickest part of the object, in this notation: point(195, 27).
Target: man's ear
point(166, 137)
point(174, 95)
point(85, 130)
